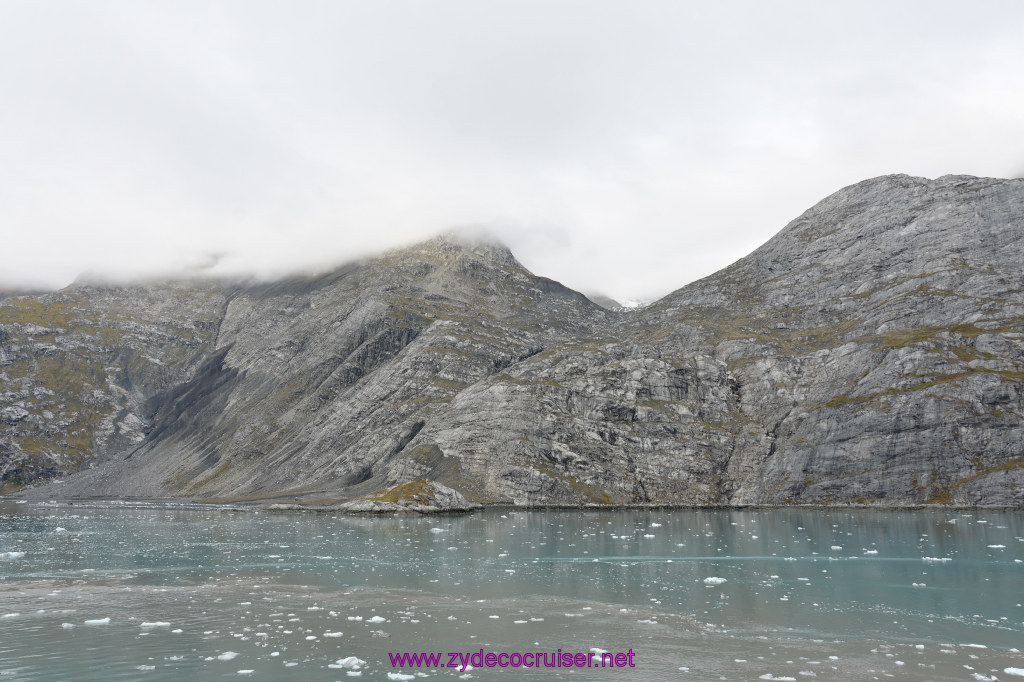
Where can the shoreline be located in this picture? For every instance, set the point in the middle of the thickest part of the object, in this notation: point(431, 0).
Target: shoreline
point(268, 505)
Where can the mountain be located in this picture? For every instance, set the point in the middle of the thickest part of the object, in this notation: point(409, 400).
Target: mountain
point(871, 352)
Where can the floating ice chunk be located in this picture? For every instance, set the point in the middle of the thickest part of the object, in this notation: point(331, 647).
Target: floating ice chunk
point(227, 655)
point(246, 672)
point(355, 618)
point(60, 529)
point(933, 559)
point(437, 530)
point(354, 673)
point(997, 546)
point(67, 626)
point(11, 555)
point(714, 580)
point(655, 525)
point(769, 676)
point(598, 650)
point(871, 551)
point(98, 621)
point(376, 619)
point(985, 678)
point(332, 634)
point(10, 615)
point(155, 624)
point(648, 535)
point(400, 676)
point(351, 662)
point(836, 548)
point(1019, 672)
point(520, 622)
point(176, 631)
point(145, 667)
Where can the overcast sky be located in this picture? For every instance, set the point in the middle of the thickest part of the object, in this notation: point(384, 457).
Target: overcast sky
point(622, 147)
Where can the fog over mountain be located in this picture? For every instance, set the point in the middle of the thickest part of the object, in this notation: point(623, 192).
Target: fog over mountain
point(871, 352)
point(620, 148)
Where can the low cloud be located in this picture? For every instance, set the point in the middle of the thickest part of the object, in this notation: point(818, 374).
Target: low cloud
point(621, 149)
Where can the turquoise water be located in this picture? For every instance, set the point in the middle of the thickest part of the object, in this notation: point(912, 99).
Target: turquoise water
point(206, 593)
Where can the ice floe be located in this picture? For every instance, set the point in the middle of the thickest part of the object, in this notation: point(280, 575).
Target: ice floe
point(98, 621)
point(714, 580)
point(349, 662)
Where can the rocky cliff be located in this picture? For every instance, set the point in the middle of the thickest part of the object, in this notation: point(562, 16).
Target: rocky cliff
point(871, 352)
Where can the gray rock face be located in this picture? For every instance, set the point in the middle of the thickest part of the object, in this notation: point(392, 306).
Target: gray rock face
point(871, 352)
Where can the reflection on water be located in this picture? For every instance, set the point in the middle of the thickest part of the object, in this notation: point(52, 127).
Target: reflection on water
point(204, 593)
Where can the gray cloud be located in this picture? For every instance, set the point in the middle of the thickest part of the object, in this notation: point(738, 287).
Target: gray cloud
point(622, 148)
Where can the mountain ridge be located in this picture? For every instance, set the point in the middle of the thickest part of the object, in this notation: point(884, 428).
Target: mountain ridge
point(870, 352)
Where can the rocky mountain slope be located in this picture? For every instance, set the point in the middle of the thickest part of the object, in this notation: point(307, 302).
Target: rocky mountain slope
point(871, 352)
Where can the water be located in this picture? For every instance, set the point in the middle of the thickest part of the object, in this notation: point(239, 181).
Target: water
point(204, 593)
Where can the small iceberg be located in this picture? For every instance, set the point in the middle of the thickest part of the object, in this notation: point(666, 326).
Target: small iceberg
point(351, 663)
point(98, 621)
point(714, 580)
